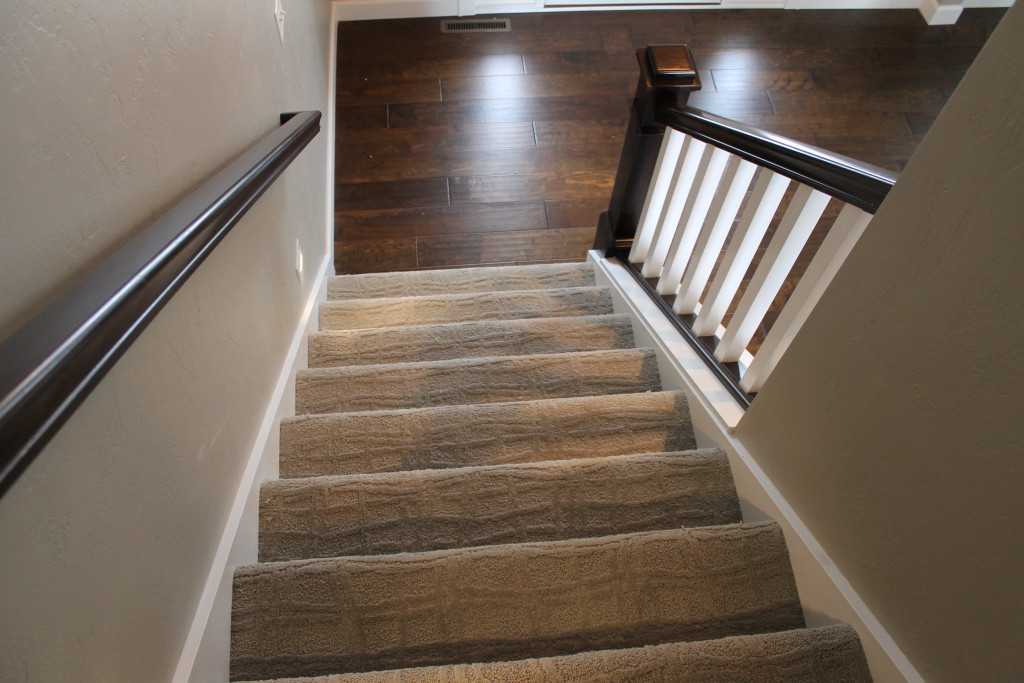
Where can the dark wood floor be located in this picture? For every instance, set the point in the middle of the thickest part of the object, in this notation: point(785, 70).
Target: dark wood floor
point(466, 149)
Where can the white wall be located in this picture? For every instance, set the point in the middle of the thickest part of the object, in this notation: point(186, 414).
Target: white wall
point(112, 112)
point(893, 425)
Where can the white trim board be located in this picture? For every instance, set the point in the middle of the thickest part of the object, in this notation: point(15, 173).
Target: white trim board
point(827, 597)
point(361, 10)
point(205, 655)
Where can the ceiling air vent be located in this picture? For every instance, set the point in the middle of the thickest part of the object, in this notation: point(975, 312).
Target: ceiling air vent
point(475, 26)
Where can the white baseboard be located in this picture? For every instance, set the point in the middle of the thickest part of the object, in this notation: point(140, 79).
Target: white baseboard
point(205, 655)
point(360, 10)
point(827, 597)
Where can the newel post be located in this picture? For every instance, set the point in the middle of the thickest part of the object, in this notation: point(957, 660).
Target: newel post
point(667, 77)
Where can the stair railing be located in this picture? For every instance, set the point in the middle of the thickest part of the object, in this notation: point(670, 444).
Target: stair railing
point(695, 191)
point(50, 365)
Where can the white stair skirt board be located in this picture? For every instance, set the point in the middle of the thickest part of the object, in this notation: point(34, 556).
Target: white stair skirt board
point(826, 595)
point(204, 655)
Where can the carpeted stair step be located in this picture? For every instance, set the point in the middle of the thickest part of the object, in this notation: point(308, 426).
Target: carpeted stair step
point(830, 654)
point(503, 602)
point(430, 282)
point(446, 308)
point(475, 380)
point(449, 341)
point(526, 502)
point(484, 434)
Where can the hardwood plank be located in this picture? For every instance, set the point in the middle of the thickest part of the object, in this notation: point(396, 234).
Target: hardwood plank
point(817, 102)
point(732, 104)
point(380, 167)
point(374, 256)
point(618, 84)
point(572, 133)
point(510, 188)
point(509, 110)
point(398, 67)
point(580, 61)
point(574, 213)
point(503, 247)
point(391, 194)
point(375, 91)
point(806, 128)
point(729, 80)
point(435, 139)
point(440, 220)
point(359, 117)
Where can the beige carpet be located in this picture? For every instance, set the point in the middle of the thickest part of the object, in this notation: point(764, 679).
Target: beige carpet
point(431, 282)
point(485, 481)
point(475, 380)
point(478, 339)
point(830, 654)
point(369, 514)
point(426, 310)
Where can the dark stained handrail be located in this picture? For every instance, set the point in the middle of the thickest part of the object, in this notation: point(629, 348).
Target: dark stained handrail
point(854, 182)
point(49, 366)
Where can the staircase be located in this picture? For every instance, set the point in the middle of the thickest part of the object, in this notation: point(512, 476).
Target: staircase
point(486, 483)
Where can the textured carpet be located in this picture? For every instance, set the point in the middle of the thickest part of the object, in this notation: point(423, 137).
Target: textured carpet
point(469, 340)
point(485, 434)
point(475, 380)
point(822, 655)
point(426, 283)
point(500, 602)
point(485, 482)
point(458, 508)
point(426, 310)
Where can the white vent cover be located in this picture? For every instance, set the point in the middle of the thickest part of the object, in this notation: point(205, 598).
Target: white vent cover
point(475, 25)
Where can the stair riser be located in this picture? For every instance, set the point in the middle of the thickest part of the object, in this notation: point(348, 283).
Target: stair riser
point(824, 655)
point(469, 340)
point(489, 380)
point(370, 313)
point(507, 602)
point(466, 436)
point(443, 509)
point(426, 283)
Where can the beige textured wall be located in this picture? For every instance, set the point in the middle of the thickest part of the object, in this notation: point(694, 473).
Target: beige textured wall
point(893, 425)
point(111, 112)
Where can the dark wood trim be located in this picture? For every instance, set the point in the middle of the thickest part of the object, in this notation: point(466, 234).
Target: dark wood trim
point(854, 182)
point(49, 366)
point(654, 89)
point(728, 376)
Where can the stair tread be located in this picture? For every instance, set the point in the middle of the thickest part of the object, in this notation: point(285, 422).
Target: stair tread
point(494, 504)
point(511, 601)
point(475, 380)
point(828, 654)
point(448, 341)
point(492, 278)
point(463, 307)
point(481, 434)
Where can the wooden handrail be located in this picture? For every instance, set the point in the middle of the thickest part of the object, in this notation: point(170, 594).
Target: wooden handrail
point(854, 182)
point(49, 366)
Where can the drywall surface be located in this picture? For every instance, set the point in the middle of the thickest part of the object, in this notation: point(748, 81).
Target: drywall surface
point(112, 112)
point(893, 425)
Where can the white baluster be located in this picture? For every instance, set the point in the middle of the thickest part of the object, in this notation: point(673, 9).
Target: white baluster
point(679, 193)
point(802, 215)
point(831, 255)
point(654, 203)
point(709, 178)
point(736, 181)
point(760, 209)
